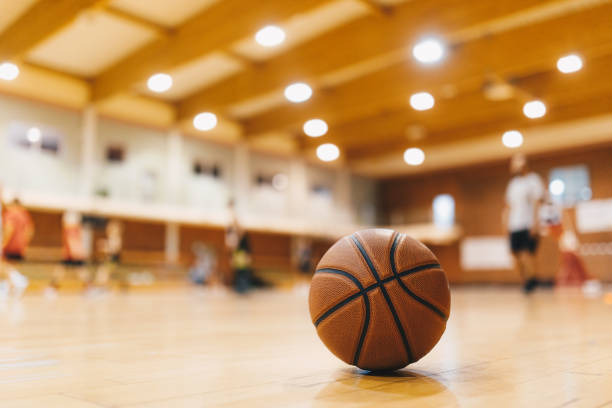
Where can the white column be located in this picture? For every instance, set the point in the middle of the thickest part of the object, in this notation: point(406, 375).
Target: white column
point(173, 171)
point(88, 152)
point(343, 195)
point(298, 188)
point(172, 243)
point(242, 178)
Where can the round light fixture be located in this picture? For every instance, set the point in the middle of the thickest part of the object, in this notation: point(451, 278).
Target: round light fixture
point(414, 156)
point(315, 127)
point(429, 50)
point(422, 101)
point(328, 152)
point(556, 187)
point(569, 63)
point(270, 36)
point(205, 121)
point(159, 82)
point(534, 109)
point(8, 71)
point(298, 92)
point(34, 135)
point(512, 139)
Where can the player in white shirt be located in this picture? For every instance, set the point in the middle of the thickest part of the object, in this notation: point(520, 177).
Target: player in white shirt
point(524, 195)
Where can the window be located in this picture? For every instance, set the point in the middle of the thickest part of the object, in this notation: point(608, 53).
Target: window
point(115, 154)
point(34, 137)
point(444, 211)
point(570, 185)
point(201, 168)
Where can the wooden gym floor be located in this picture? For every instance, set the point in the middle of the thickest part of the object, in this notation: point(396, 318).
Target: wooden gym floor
point(198, 348)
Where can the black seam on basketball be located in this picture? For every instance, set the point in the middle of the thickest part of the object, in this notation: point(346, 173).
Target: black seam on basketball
point(370, 288)
point(403, 285)
point(398, 323)
point(366, 301)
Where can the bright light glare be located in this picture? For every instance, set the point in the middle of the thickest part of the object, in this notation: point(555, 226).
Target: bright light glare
point(556, 187)
point(534, 109)
point(8, 71)
point(298, 92)
point(429, 50)
point(414, 156)
point(328, 152)
point(512, 139)
point(270, 36)
point(315, 127)
point(422, 101)
point(205, 121)
point(159, 82)
point(569, 63)
point(444, 210)
point(34, 135)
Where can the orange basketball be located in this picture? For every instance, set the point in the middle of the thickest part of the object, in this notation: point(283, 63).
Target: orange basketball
point(379, 299)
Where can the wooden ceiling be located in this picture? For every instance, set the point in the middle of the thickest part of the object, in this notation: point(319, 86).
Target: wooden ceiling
point(356, 55)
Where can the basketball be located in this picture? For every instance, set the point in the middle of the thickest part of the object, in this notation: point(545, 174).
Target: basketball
point(379, 299)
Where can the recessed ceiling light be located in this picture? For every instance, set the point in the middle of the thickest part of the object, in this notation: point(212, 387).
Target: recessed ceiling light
point(270, 36)
point(205, 121)
point(569, 63)
point(159, 82)
point(414, 156)
point(298, 92)
point(34, 135)
point(8, 71)
point(422, 101)
point(328, 152)
point(429, 50)
point(512, 139)
point(534, 109)
point(315, 127)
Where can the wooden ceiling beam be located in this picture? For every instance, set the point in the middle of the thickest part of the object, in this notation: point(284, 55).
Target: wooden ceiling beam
point(513, 53)
point(370, 37)
point(39, 22)
point(567, 97)
point(217, 27)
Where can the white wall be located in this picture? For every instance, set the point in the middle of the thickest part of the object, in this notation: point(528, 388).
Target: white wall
point(169, 157)
point(144, 155)
point(23, 170)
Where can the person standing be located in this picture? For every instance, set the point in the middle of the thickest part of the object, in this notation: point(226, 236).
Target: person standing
point(17, 232)
point(524, 195)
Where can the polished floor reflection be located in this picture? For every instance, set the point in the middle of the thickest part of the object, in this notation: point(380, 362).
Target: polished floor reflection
point(194, 348)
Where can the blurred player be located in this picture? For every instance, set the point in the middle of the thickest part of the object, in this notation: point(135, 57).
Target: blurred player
point(111, 248)
point(17, 232)
point(73, 251)
point(524, 196)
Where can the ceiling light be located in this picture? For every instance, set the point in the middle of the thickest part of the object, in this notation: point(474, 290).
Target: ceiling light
point(429, 50)
point(34, 135)
point(414, 156)
point(534, 109)
point(315, 127)
point(270, 36)
point(205, 121)
point(298, 92)
point(328, 152)
point(569, 63)
point(422, 101)
point(159, 82)
point(8, 71)
point(556, 187)
point(512, 139)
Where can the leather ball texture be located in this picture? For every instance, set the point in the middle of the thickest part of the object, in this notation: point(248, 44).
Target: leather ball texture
point(379, 299)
